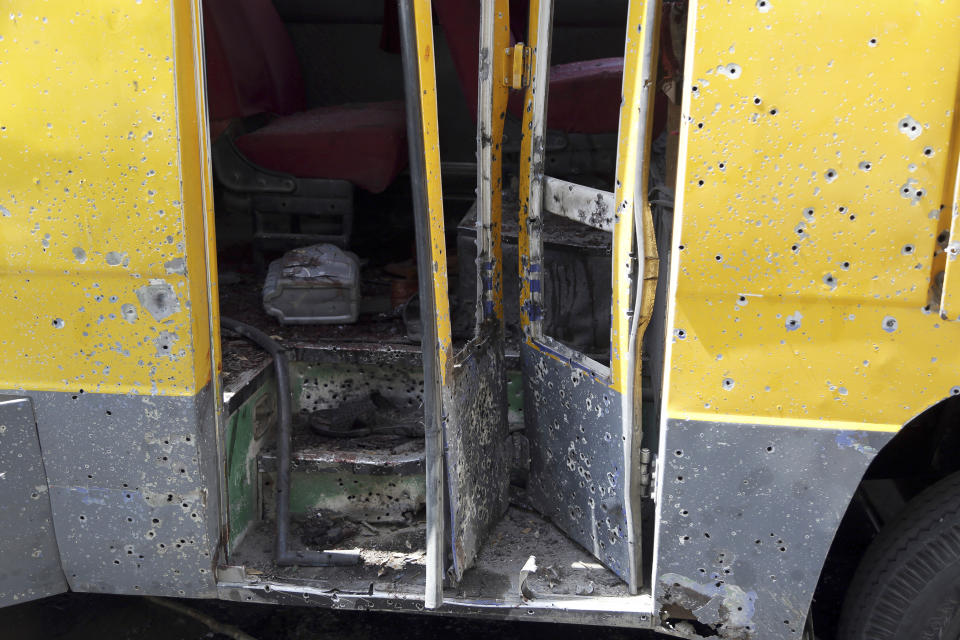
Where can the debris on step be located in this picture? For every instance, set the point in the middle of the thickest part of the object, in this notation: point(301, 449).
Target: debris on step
point(324, 529)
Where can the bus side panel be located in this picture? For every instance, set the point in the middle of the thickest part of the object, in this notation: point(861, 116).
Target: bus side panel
point(31, 562)
point(814, 161)
point(104, 273)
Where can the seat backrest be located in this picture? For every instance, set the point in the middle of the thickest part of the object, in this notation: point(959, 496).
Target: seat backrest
point(460, 21)
point(252, 66)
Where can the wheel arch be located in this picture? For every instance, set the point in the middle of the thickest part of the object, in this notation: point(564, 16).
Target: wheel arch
point(918, 456)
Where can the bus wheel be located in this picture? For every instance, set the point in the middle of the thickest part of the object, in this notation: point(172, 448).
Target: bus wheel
point(907, 586)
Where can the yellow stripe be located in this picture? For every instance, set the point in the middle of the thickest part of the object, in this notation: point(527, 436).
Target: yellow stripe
point(526, 148)
point(628, 194)
point(786, 422)
point(501, 93)
point(423, 17)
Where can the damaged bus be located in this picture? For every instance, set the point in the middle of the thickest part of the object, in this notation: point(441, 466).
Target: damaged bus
point(626, 313)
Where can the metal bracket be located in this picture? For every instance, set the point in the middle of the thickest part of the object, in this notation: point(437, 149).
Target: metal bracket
point(647, 475)
point(516, 66)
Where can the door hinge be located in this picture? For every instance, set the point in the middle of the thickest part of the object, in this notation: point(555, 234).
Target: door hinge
point(516, 67)
point(648, 467)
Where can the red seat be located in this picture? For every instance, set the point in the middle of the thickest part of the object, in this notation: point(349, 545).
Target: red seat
point(584, 97)
point(252, 69)
point(364, 144)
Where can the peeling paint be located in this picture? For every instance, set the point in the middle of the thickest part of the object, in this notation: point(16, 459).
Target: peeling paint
point(159, 299)
point(727, 608)
point(176, 266)
point(852, 440)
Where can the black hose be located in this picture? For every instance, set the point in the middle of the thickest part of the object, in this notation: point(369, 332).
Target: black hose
point(283, 556)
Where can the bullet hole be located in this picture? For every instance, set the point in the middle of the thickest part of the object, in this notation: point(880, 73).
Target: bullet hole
point(911, 191)
point(770, 449)
point(699, 125)
point(907, 250)
point(889, 324)
point(680, 478)
point(678, 453)
point(865, 166)
point(83, 518)
point(699, 183)
point(793, 321)
point(795, 248)
point(727, 384)
point(681, 247)
point(694, 89)
point(763, 6)
point(830, 175)
point(844, 265)
point(718, 258)
point(853, 216)
point(757, 100)
point(742, 299)
point(955, 391)
point(733, 70)
point(909, 127)
point(872, 42)
point(58, 323)
point(830, 281)
point(684, 512)
point(773, 111)
point(680, 334)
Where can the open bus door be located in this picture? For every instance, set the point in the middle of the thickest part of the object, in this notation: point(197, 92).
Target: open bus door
point(581, 415)
point(465, 389)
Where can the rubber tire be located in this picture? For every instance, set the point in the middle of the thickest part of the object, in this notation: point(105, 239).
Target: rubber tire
point(907, 586)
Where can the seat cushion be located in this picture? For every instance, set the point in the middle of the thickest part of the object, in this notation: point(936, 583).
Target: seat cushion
point(362, 143)
point(584, 97)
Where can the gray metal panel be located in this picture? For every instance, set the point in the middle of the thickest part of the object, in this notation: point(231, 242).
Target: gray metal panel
point(133, 473)
point(475, 433)
point(30, 566)
point(747, 515)
point(577, 473)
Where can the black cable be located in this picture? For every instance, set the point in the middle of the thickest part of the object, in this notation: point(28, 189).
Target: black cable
point(283, 556)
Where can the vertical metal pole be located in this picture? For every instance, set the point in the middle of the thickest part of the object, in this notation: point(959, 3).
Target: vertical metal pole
point(640, 72)
point(433, 595)
point(532, 162)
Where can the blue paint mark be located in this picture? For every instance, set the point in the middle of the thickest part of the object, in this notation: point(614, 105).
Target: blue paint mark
point(853, 440)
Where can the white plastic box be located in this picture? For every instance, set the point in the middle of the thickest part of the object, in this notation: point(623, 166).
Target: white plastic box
point(319, 284)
